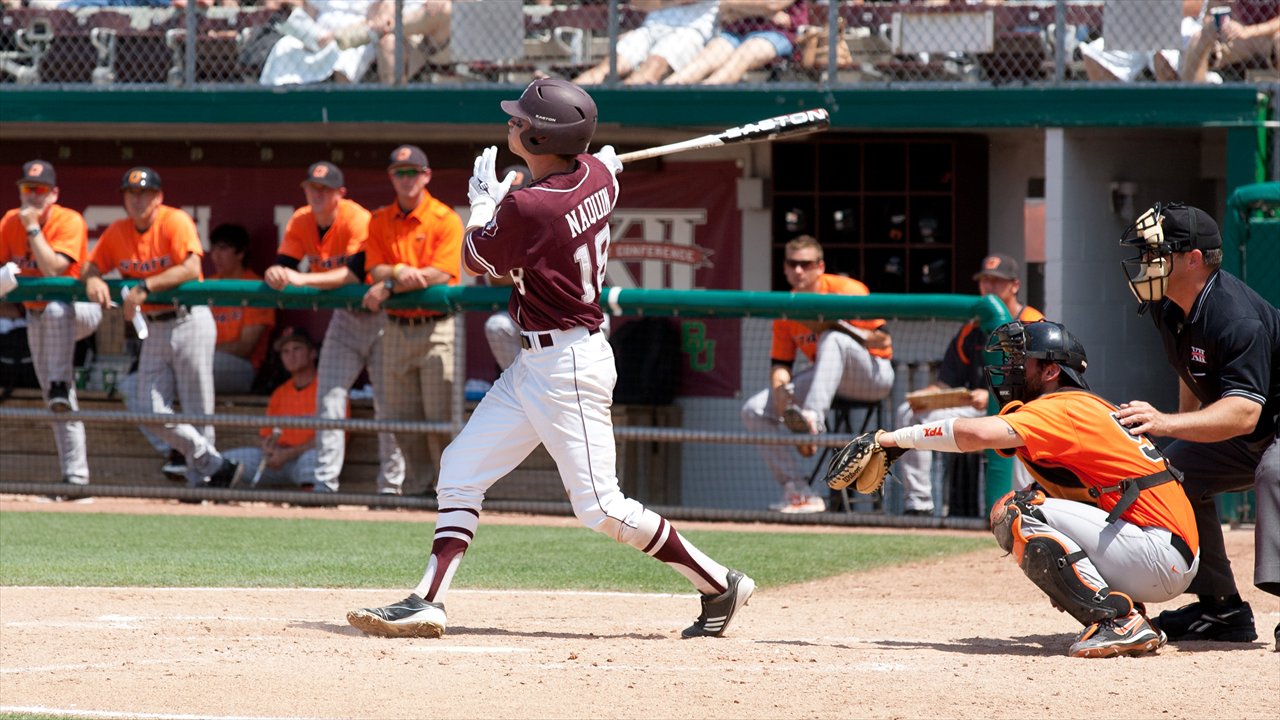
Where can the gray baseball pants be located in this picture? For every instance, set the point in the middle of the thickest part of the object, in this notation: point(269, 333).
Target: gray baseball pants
point(52, 333)
point(177, 359)
point(352, 343)
point(298, 471)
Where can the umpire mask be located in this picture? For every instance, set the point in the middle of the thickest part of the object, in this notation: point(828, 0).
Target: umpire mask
point(1148, 272)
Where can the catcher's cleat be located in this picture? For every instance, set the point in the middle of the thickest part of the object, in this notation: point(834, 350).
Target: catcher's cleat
point(1129, 635)
point(411, 617)
point(718, 610)
point(1200, 621)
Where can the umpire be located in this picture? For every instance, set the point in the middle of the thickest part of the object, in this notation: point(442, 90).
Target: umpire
point(1224, 341)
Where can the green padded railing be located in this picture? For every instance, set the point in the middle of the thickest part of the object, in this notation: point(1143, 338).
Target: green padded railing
point(989, 311)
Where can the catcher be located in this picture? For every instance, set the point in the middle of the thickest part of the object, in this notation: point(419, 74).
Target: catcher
point(1104, 528)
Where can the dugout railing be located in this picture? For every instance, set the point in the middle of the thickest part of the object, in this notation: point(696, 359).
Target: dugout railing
point(1024, 42)
point(709, 304)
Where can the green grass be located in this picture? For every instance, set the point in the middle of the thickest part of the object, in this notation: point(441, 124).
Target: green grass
point(162, 551)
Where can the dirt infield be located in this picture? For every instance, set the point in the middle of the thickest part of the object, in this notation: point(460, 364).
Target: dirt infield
point(968, 638)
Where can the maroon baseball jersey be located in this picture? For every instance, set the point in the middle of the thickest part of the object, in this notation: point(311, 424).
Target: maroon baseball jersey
point(553, 237)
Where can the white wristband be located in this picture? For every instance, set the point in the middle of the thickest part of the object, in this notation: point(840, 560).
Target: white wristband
point(482, 211)
point(931, 436)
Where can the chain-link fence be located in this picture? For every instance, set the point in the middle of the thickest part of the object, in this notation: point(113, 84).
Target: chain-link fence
point(426, 42)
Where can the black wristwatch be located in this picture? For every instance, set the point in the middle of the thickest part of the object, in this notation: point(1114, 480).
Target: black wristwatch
point(390, 285)
point(33, 231)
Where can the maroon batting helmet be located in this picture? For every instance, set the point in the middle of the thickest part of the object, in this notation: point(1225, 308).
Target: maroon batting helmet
point(559, 117)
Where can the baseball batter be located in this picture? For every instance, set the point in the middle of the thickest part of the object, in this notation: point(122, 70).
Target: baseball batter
point(42, 238)
point(329, 233)
point(553, 237)
point(157, 246)
point(1107, 526)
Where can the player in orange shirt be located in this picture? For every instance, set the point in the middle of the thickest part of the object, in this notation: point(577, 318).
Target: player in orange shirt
point(845, 366)
point(1106, 526)
point(962, 367)
point(329, 234)
point(157, 246)
point(290, 457)
point(42, 238)
point(415, 242)
point(242, 331)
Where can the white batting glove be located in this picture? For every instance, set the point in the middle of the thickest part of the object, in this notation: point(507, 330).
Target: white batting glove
point(9, 273)
point(610, 159)
point(484, 190)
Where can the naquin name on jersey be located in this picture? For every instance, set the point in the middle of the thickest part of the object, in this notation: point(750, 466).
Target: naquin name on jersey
point(588, 211)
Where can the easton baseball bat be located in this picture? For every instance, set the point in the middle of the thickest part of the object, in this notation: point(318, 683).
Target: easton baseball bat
point(803, 122)
point(269, 448)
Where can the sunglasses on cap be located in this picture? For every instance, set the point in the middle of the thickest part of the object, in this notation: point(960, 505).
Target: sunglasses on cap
point(406, 172)
point(800, 264)
point(40, 190)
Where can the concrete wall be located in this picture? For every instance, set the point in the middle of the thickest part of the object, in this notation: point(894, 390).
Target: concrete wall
point(1084, 284)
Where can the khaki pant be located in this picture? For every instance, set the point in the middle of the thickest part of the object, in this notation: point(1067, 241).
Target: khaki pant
point(418, 371)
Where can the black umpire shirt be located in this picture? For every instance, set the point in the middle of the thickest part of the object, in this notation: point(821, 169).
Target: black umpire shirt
point(1230, 345)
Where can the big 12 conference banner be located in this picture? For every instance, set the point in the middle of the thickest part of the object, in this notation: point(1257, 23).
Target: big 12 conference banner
point(677, 227)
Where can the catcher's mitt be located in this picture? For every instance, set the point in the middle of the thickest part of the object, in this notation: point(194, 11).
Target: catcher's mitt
point(863, 463)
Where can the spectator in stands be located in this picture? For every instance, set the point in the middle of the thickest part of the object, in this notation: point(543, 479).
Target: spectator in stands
point(42, 238)
point(962, 367)
point(426, 30)
point(329, 232)
point(242, 331)
point(414, 243)
point(753, 33)
point(291, 456)
point(1104, 65)
point(668, 40)
point(322, 39)
point(851, 360)
point(1224, 42)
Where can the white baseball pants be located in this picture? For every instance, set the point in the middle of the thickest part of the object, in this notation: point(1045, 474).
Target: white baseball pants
point(52, 333)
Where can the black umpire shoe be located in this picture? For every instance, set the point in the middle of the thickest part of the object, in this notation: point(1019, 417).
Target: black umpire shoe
point(718, 610)
point(228, 476)
point(59, 397)
point(1203, 621)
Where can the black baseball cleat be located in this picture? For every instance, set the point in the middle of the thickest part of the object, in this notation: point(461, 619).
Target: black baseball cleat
point(411, 617)
point(59, 397)
point(718, 610)
point(175, 467)
point(227, 476)
point(1200, 621)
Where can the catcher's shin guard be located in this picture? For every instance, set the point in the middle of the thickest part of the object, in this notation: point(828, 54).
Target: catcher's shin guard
point(1052, 569)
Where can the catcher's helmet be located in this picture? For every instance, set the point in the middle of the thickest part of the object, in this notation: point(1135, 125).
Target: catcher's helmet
point(1161, 231)
point(559, 117)
point(1044, 340)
